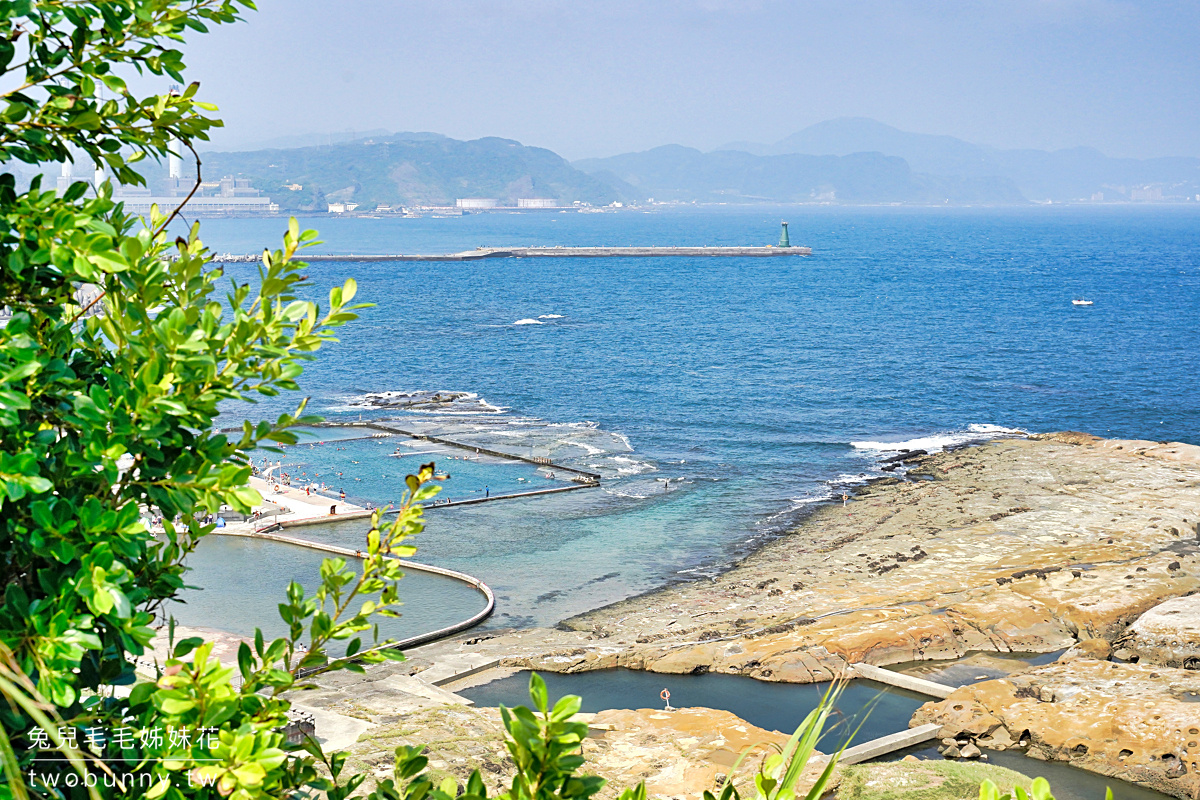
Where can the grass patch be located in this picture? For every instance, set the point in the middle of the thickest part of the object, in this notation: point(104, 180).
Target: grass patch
point(924, 780)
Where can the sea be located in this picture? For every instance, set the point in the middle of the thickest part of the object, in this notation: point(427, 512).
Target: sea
point(721, 399)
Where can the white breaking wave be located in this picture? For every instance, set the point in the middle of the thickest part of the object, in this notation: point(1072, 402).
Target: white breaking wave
point(939, 441)
point(551, 316)
point(629, 495)
point(795, 504)
point(632, 466)
point(528, 321)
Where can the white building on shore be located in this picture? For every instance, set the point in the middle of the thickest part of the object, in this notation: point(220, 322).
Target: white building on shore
point(476, 202)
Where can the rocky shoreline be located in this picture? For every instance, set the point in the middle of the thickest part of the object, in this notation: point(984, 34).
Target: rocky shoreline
point(1023, 545)
point(1018, 545)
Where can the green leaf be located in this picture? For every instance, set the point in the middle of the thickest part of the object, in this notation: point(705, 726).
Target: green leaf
point(537, 692)
point(186, 646)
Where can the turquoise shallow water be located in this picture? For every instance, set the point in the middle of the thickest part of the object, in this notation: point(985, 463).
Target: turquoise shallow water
point(756, 385)
point(372, 469)
point(239, 583)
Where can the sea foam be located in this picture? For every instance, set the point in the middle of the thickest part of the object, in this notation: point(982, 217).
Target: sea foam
point(940, 441)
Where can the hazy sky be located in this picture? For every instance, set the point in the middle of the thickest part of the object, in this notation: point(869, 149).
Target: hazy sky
point(599, 77)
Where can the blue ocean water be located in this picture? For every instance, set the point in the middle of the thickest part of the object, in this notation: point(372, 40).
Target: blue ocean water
point(757, 386)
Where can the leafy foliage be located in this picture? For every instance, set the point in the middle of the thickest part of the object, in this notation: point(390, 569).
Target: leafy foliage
point(780, 772)
point(1039, 790)
point(118, 349)
point(117, 352)
point(545, 746)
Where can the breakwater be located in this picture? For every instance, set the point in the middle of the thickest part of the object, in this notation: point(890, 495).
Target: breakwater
point(546, 252)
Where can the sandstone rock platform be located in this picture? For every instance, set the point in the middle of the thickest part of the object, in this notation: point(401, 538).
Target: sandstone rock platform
point(1129, 721)
point(1168, 634)
point(1016, 545)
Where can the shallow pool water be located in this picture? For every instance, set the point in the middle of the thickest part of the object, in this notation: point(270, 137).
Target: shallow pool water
point(975, 666)
point(782, 706)
point(372, 469)
point(241, 581)
point(773, 706)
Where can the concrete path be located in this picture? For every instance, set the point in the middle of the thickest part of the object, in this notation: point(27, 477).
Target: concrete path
point(902, 681)
point(301, 508)
point(888, 744)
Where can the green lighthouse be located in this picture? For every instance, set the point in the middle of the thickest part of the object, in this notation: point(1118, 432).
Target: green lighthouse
point(783, 237)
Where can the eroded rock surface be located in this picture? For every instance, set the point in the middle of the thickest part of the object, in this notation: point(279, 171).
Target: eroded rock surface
point(1036, 545)
point(1129, 721)
point(679, 753)
point(1168, 634)
point(1016, 545)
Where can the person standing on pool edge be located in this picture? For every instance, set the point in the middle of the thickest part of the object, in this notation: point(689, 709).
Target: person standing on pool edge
point(343, 495)
point(486, 492)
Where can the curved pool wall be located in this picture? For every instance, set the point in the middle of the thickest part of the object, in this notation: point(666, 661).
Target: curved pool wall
point(237, 582)
point(880, 709)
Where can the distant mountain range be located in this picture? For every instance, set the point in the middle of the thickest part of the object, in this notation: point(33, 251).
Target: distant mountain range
point(1062, 175)
point(408, 169)
point(683, 174)
point(850, 160)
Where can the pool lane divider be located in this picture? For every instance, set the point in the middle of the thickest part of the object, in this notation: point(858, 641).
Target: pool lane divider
point(412, 641)
point(887, 744)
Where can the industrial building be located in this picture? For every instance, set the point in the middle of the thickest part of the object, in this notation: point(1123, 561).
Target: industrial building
point(227, 196)
point(476, 202)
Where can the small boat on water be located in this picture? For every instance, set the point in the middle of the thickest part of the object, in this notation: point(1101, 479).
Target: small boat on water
point(1081, 302)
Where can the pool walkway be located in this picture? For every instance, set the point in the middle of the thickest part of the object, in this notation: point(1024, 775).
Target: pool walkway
point(582, 475)
point(316, 508)
point(298, 508)
point(449, 662)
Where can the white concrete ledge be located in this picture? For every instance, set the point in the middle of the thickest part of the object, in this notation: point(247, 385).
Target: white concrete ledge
point(902, 681)
point(457, 667)
point(889, 744)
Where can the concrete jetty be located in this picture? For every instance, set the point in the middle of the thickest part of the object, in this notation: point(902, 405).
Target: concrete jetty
point(548, 252)
point(587, 477)
point(902, 681)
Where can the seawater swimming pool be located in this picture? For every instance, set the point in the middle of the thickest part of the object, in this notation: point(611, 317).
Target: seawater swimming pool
point(879, 709)
point(239, 582)
point(750, 385)
point(866, 710)
point(371, 465)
